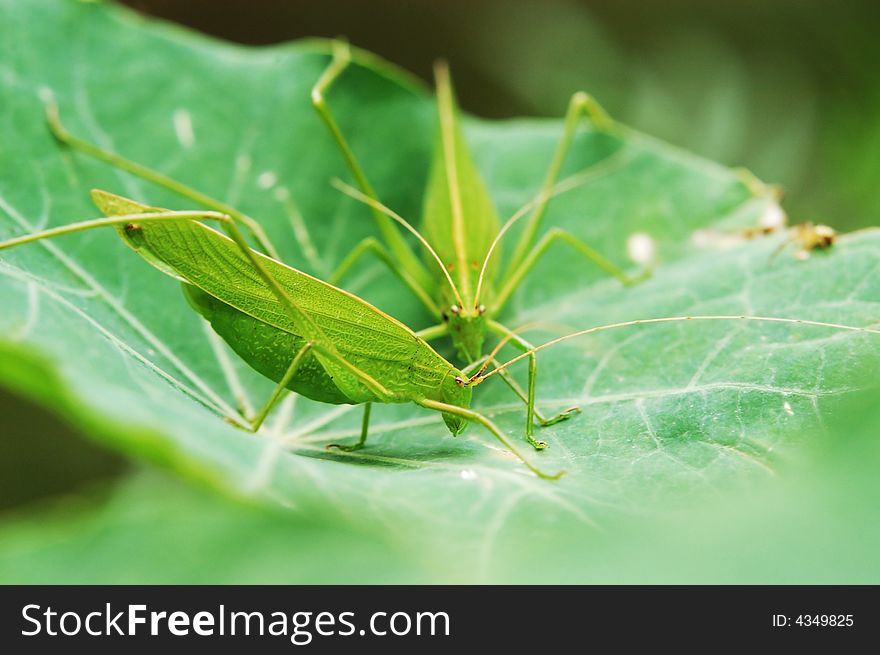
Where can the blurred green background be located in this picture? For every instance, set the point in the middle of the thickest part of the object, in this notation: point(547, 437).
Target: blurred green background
point(786, 88)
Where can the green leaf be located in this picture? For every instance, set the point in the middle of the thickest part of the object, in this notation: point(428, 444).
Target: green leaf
point(152, 530)
point(817, 526)
point(671, 412)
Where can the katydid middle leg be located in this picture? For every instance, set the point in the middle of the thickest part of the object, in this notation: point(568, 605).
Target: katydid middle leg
point(365, 426)
point(415, 274)
point(257, 421)
point(370, 245)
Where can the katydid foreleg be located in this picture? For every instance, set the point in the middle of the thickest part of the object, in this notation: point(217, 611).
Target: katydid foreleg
point(418, 374)
point(532, 411)
point(461, 228)
point(340, 61)
point(227, 215)
point(476, 417)
point(533, 414)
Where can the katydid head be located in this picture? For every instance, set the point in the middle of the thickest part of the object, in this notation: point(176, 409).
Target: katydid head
point(454, 390)
point(467, 327)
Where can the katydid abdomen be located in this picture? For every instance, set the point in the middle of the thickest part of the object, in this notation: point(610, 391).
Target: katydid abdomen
point(265, 349)
point(268, 350)
point(460, 222)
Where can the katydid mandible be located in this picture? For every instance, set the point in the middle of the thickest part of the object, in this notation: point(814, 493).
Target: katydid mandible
point(461, 225)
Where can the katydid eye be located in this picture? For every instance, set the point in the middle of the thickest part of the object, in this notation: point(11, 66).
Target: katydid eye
point(455, 309)
point(481, 309)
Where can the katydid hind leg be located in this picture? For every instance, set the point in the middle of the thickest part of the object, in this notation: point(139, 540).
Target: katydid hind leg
point(529, 249)
point(155, 177)
point(119, 213)
point(406, 258)
point(280, 388)
point(132, 222)
point(581, 105)
point(361, 442)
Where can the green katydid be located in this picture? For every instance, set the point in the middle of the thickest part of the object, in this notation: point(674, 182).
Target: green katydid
point(233, 220)
point(304, 359)
point(466, 317)
point(461, 224)
point(301, 332)
point(305, 334)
